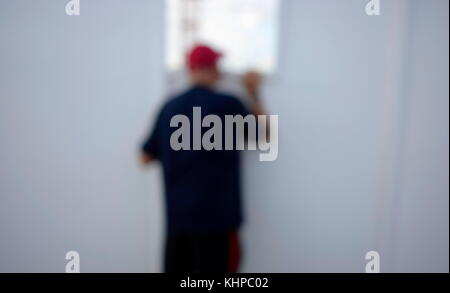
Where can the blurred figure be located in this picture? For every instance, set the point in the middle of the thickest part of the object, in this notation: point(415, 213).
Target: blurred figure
point(202, 188)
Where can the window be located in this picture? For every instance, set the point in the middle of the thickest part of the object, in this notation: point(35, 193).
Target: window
point(246, 31)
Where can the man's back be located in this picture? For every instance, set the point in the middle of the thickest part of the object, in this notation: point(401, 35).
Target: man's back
point(202, 187)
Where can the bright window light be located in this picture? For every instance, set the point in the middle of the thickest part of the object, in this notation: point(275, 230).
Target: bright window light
point(246, 31)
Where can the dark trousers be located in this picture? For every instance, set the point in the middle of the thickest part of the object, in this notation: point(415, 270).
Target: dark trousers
point(202, 253)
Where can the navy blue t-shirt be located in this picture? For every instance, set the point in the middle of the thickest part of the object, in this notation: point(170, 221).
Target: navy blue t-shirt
point(203, 192)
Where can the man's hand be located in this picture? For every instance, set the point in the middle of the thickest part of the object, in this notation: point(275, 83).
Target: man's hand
point(252, 82)
point(146, 159)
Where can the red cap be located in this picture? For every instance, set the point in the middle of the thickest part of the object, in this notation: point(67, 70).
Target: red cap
point(202, 56)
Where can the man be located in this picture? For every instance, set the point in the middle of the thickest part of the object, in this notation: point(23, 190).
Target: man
point(203, 196)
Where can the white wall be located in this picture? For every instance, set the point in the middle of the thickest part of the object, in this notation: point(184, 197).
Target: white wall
point(313, 210)
point(76, 95)
point(363, 160)
point(420, 234)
